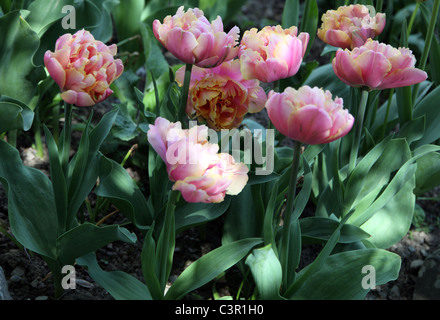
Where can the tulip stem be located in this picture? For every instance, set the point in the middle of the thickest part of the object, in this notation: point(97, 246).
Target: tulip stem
point(358, 130)
point(428, 42)
point(67, 133)
point(379, 5)
point(288, 211)
point(387, 114)
point(184, 97)
point(413, 18)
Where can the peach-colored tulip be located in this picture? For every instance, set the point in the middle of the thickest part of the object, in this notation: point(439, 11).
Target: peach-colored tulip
point(220, 96)
point(83, 68)
point(200, 173)
point(272, 53)
point(377, 66)
point(224, 177)
point(191, 38)
point(309, 115)
point(350, 26)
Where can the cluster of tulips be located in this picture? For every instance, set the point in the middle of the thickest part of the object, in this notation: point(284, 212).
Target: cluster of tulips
point(225, 84)
point(362, 185)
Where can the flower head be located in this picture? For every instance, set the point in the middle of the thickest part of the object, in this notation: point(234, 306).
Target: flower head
point(83, 68)
point(272, 53)
point(309, 115)
point(350, 26)
point(200, 173)
point(190, 37)
point(377, 66)
point(220, 96)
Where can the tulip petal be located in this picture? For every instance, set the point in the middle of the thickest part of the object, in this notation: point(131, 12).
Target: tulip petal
point(310, 125)
point(403, 78)
point(56, 71)
point(182, 44)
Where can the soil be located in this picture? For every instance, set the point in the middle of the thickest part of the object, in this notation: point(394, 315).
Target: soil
point(29, 279)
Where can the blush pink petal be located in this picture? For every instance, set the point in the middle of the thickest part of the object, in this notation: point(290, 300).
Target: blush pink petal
point(309, 125)
point(182, 44)
point(338, 38)
point(56, 70)
point(308, 115)
point(80, 99)
point(346, 68)
point(279, 108)
point(350, 26)
point(83, 68)
point(376, 66)
point(272, 53)
point(198, 171)
point(404, 78)
point(190, 37)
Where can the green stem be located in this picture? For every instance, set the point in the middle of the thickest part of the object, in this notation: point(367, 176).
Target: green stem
point(67, 135)
point(428, 42)
point(259, 207)
point(37, 135)
point(166, 242)
point(291, 194)
point(184, 97)
point(379, 5)
point(358, 127)
point(387, 114)
point(413, 18)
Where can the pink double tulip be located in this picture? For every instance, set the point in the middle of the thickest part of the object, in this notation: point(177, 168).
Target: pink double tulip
point(272, 53)
point(350, 26)
point(309, 115)
point(83, 68)
point(220, 96)
point(200, 173)
point(377, 66)
point(190, 37)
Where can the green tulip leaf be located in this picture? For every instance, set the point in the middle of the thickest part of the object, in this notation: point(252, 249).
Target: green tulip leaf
point(121, 285)
point(428, 173)
point(18, 43)
point(209, 266)
point(320, 229)
point(42, 16)
point(194, 214)
point(117, 185)
point(350, 275)
point(14, 115)
point(31, 204)
point(87, 238)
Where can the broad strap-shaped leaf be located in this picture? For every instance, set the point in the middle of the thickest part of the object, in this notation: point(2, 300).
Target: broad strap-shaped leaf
point(31, 205)
point(118, 186)
point(14, 115)
point(84, 167)
point(148, 259)
point(210, 266)
point(428, 173)
point(290, 14)
point(389, 217)
point(317, 229)
point(18, 43)
point(343, 274)
point(121, 285)
point(194, 214)
point(87, 238)
point(59, 185)
point(42, 16)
